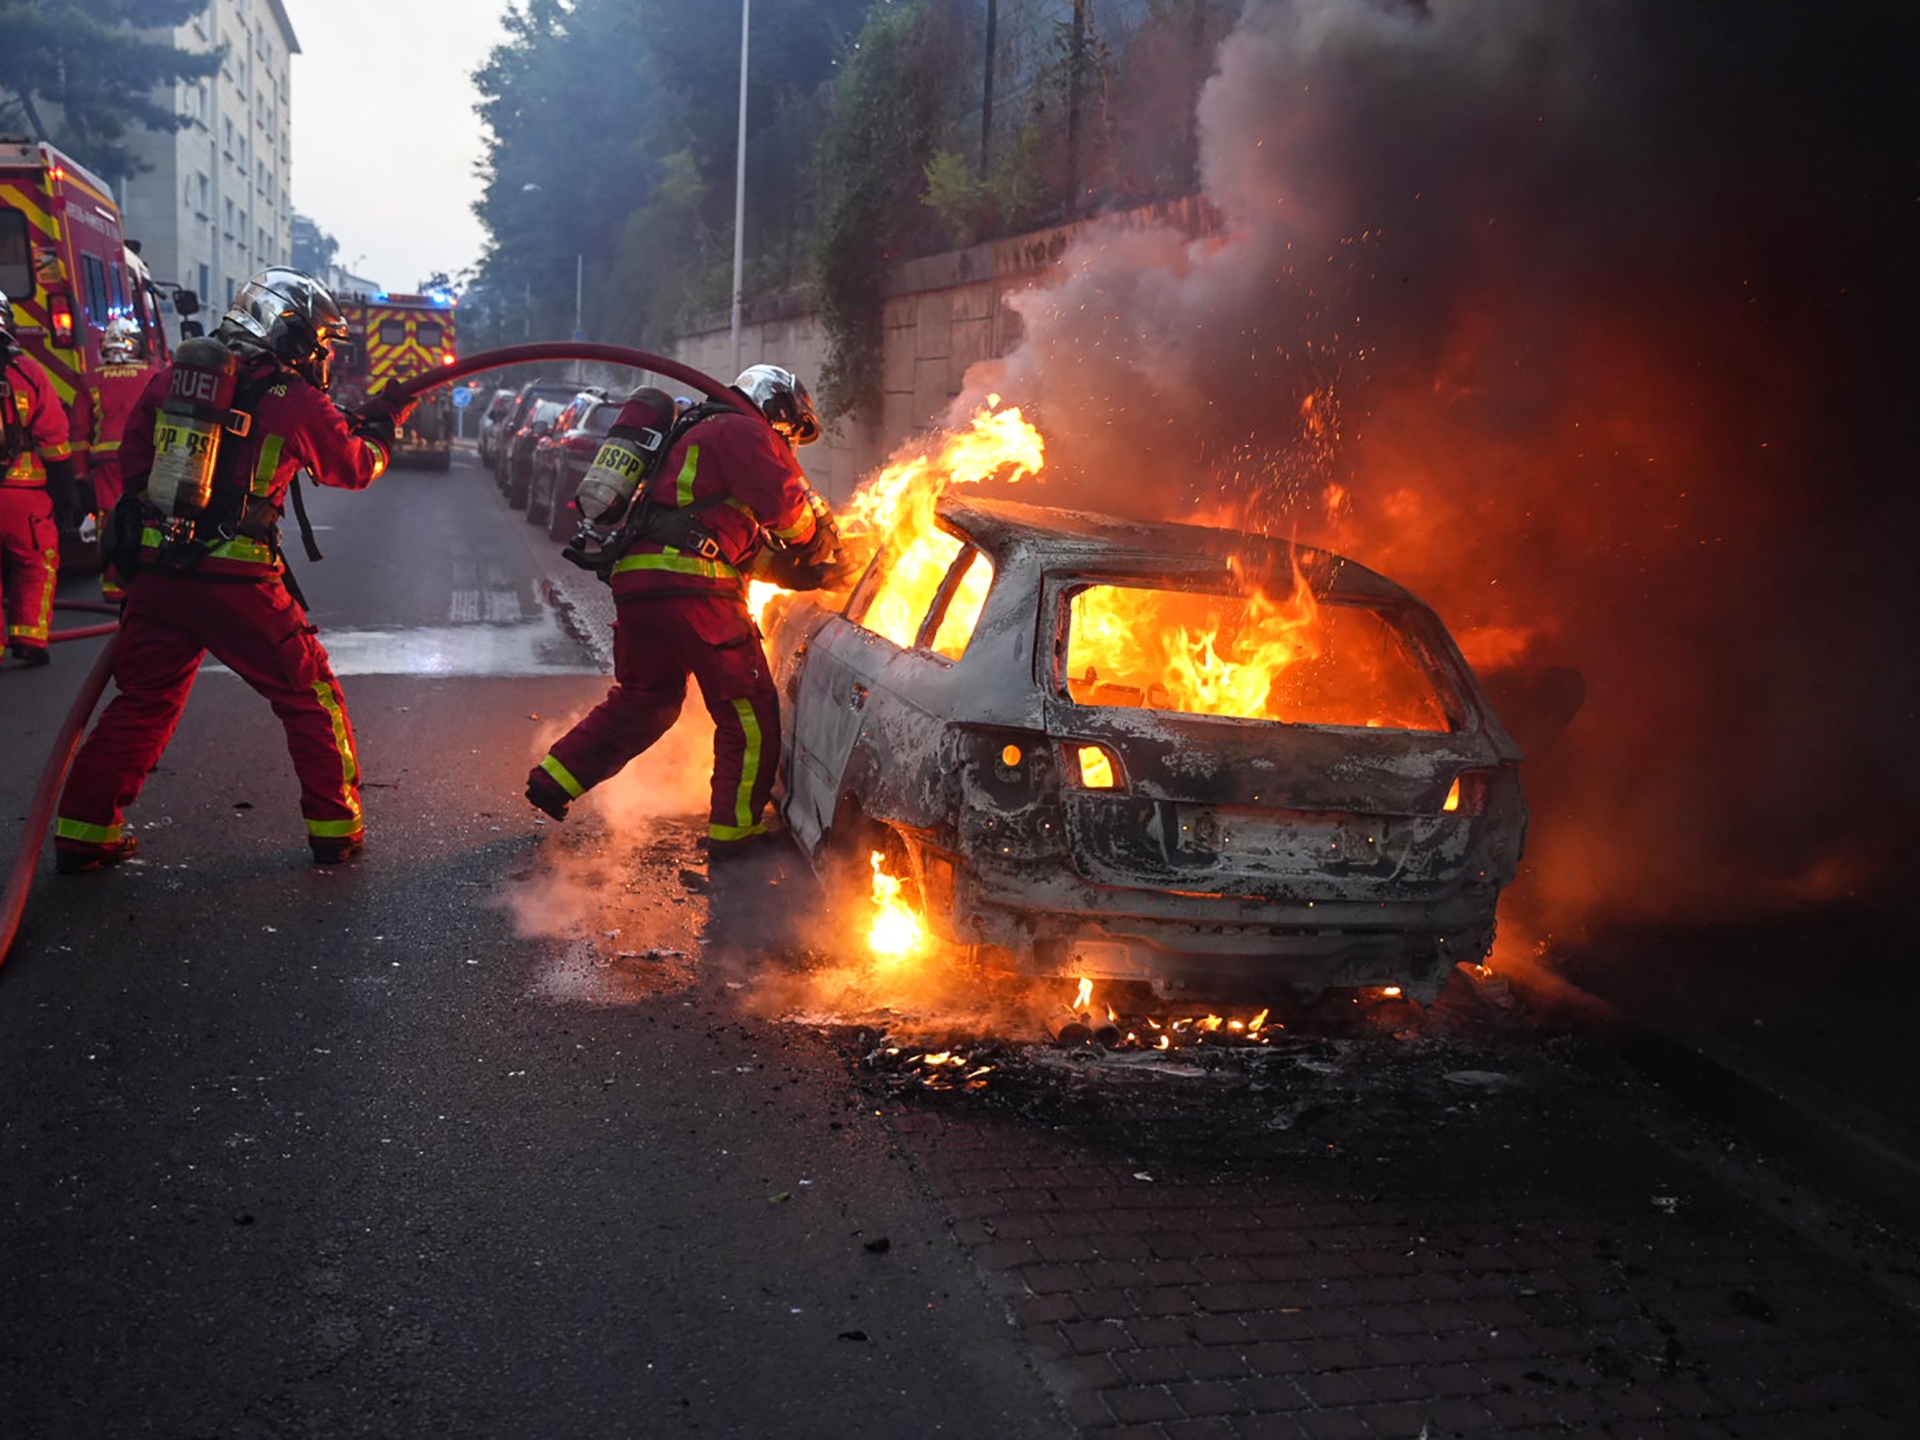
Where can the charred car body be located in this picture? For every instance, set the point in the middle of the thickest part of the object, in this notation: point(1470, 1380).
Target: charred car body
point(1024, 711)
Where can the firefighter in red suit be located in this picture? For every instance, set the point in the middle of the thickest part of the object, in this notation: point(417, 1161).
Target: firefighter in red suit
point(724, 492)
point(217, 584)
point(37, 479)
point(103, 403)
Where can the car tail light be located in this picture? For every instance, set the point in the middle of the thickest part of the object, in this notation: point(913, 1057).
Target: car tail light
point(60, 312)
point(1094, 766)
point(1467, 795)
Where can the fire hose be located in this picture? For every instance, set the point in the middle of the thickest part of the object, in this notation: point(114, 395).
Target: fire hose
point(33, 834)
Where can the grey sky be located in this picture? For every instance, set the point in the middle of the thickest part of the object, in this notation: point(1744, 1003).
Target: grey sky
point(384, 135)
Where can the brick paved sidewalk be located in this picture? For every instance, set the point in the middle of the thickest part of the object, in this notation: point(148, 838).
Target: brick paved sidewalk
point(1518, 1264)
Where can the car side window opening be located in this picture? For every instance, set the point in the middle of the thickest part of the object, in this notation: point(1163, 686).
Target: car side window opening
point(393, 332)
point(1299, 661)
point(16, 255)
point(908, 583)
point(950, 624)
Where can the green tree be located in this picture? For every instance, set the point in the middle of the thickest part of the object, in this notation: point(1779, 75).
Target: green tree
point(892, 108)
point(79, 74)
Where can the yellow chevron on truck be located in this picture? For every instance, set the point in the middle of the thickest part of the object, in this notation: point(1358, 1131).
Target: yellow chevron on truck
point(66, 266)
point(396, 337)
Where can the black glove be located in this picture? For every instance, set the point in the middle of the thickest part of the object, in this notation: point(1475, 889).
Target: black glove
point(71, 495)
point(383, 414)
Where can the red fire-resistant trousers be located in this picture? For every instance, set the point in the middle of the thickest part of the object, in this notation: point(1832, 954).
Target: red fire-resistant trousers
point(29, 562)
point(657, 642)
point(258, 631)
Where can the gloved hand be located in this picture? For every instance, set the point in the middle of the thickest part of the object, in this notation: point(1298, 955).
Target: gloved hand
point(72, 496)
point(384, 413)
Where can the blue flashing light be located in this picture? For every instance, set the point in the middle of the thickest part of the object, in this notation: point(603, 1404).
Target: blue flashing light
point(381, 296)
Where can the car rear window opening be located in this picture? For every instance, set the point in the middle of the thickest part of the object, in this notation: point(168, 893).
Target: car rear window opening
point(1297, 660)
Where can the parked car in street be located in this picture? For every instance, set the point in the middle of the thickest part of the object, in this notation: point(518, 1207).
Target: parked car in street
point(518, 416)
point(562, 457)
point(499, 402)
point(1208, 761)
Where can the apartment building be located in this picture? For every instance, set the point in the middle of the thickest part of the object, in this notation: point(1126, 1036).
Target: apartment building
point(217, 203)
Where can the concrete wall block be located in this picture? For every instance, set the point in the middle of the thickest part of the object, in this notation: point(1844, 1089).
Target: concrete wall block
point(932, 318)
point(975, 302)
point(972, 342)
point(931, 391)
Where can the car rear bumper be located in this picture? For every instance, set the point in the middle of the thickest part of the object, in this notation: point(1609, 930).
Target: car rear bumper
point(1207, 944)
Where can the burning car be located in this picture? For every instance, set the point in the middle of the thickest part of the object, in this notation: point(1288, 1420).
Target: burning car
point(1205, 760)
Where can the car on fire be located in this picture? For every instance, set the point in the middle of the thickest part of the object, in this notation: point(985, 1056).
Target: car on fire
point(1212, 762)
point(563, 456)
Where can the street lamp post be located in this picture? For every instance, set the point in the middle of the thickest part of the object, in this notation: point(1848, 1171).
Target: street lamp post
point(740, 185)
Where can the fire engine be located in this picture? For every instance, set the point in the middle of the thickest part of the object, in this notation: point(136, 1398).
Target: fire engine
point(65, 264)
point(396, 337)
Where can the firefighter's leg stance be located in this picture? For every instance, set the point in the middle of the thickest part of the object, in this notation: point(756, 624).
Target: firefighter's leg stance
point(649, 687)
point(29, 569)
point(155, 660)
point(258, 632)
point(723, 651)
point(269, 644)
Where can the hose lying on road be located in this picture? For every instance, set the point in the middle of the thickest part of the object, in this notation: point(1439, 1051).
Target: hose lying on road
point(40, 813)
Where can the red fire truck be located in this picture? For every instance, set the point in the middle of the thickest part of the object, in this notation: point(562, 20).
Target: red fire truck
point(396, 337)
point(65, 264)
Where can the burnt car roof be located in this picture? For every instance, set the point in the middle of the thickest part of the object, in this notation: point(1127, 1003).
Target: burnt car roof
point(1067, 538)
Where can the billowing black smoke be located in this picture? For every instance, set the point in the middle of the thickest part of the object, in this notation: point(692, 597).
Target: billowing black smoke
point(1599, 314)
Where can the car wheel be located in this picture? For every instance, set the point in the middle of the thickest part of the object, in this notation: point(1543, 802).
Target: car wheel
point(518, 482)
point(536, 502)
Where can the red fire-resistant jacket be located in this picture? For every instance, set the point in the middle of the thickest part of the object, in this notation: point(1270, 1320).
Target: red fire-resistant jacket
point(100, 411)
point(295, 427)
point(38, 418)
point(731, 454)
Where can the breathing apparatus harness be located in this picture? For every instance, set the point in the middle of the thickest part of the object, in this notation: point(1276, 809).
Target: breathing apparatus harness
point(14, 435)
point(195, 497)
point(628, 464)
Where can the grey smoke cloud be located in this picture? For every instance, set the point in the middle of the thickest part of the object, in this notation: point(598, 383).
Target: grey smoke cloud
point(1596, 312)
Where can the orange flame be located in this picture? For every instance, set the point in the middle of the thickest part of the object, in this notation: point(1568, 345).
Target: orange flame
point(896, 932)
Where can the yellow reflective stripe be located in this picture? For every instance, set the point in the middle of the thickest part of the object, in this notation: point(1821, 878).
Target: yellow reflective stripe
point(238, 548)
point(103, 447)
point(60, 451)
point(563, 776)
point(65, 829)
point(268, 463)
point(349, 764)
point(684, 495)
point(750, 765)
point(680, 564)
point(797, 529)
point(334, 827)
point(241, 548)
point(734, 832)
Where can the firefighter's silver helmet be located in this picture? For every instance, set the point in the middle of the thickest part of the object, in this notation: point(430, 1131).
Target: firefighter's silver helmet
point(291, 314)
point(123, 341)
point(781, 397)
point(6, 322)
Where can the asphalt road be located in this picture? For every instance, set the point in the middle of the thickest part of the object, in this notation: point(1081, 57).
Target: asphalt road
point(514, 1129)
point(292, 1151)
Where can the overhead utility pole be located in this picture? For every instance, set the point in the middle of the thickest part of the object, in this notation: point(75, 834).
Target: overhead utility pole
point(740, 187)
